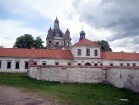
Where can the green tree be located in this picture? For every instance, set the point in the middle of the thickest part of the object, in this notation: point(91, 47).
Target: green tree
point(27, 41)
point(38, 42)
point(104, 45)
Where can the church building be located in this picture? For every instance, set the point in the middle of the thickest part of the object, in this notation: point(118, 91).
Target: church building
point(60, 52)
point(56, 39)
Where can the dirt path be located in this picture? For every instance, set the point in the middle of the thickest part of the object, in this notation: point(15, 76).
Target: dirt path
point(13, 96)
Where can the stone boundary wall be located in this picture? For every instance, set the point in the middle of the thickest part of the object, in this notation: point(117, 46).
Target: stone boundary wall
point(119, 77)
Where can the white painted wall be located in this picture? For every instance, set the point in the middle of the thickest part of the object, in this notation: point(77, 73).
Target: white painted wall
point(83, 52)
point(83, 61)
point(117, 62)
point(13, 61)
point(62, 62)
point(22, 63)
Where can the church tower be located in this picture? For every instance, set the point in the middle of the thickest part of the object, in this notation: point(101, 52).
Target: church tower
point(67, 39)
point(56, 23)
point(82, 35)
point(56, 39)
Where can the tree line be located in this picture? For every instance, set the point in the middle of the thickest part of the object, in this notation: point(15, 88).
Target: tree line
point(27, 41)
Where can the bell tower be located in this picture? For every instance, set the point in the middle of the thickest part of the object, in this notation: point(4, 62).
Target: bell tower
point(82, 35)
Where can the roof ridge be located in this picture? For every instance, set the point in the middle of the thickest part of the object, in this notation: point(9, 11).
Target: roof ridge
point(86, 42)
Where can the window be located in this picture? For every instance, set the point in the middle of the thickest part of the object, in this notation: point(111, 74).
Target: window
point(17, 65)
point(128, 64)
point(69, 64)
point(35, 63)
point(95, 64)
point(79, 52)
point(121, 64)
point(134, 64)
point(0, 64)
point(79, 64)
point(88, 64)
point(87, 52)
point(49, 43)
point(111, 64)
point(95, 53)
point(101, 64)
point(68, 44)
point(57, 43)
point(57, 63)
point(26, 64)
point(8, 64)
point(43, 63)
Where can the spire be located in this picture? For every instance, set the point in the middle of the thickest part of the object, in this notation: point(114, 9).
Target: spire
point(50, 29)
point(49, 33)
point(56, 23)
point(82, 35)
point(67, 33)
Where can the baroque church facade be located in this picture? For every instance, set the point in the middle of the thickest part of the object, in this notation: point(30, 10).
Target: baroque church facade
point(60, 52)
point(56, 39)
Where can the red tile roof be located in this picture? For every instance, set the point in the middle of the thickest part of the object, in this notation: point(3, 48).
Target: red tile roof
point(120, 56)
point(86, 42)
point(36, 53)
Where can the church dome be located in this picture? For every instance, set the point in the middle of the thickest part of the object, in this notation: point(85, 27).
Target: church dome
point(57, 31)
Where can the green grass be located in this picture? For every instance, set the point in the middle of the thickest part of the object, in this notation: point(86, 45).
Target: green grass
point(72, 93)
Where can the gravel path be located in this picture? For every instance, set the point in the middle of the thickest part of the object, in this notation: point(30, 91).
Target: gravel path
point(13, 96)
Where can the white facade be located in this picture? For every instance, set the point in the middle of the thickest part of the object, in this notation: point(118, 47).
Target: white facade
point(120, 63)
point(92, 49)
point(82, 56)
point(22, 63)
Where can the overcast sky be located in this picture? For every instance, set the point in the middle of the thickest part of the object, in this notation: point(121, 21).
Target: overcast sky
point(116, 21)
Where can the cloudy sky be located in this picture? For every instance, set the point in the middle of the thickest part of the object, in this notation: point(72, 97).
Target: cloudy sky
point(116, 21)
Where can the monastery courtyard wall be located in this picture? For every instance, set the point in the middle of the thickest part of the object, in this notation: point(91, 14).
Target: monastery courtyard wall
point(119, 77)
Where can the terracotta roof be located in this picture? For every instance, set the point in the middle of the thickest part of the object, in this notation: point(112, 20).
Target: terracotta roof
point(119, 56)
point(86, 42)
point(36, 53)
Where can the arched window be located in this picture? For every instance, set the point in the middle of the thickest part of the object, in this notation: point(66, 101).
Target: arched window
point(87, 52)
point(87, 64)
point(49, 43)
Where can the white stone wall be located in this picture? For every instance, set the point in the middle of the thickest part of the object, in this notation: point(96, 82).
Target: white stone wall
point(122, 78)
point(80, 75)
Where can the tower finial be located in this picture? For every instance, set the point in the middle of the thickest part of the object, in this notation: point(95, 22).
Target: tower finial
point(56, 22)
point(82, 27)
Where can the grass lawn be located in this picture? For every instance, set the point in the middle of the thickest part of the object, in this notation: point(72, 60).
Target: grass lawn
point(72, 93)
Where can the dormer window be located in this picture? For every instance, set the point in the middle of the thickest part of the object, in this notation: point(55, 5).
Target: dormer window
point(79, 52)
point(87, 52)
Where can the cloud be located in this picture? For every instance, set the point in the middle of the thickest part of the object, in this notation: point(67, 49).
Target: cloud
point(12, 29)
point(116, 15)
point(19, 11)
point(113, 20)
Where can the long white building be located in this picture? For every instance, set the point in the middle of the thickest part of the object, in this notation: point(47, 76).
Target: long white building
point(83, 53)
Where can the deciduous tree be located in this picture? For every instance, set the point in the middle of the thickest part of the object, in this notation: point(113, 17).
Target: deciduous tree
point(104, 45)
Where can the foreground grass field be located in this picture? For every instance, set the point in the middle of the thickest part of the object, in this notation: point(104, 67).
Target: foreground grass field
point(72, 93)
